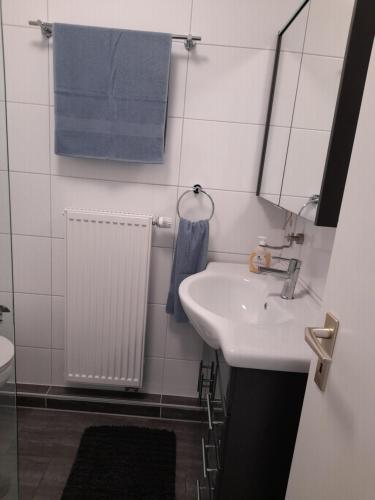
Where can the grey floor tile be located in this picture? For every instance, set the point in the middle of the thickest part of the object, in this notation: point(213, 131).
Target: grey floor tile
point(48, 441)
point(31, 470)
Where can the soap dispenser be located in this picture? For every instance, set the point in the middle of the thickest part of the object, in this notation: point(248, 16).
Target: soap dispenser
point(260, 256)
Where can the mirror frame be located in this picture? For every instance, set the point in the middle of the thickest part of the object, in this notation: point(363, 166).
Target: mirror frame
point(348, 104)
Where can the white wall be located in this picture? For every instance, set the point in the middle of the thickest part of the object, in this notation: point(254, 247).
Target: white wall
point(315, 254)
point(217, 109)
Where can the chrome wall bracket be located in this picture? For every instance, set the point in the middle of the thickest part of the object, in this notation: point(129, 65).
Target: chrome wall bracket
point(190, 40)
point(322, 342)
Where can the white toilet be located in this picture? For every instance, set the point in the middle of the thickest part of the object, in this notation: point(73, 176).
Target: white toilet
point(6, 359)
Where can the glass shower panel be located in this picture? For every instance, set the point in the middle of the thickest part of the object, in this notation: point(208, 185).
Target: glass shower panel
point(8, 415)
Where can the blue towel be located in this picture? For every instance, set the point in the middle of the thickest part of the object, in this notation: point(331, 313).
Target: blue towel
point(190, 257)
point(111, 89)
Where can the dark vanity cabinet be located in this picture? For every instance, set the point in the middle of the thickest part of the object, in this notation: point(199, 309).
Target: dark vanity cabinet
point(252, 426)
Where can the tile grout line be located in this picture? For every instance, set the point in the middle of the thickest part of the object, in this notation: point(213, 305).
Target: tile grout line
point(143, 417)
point(126, 182)
point(294, 105)
point(109, 400)
point(212, 44)
point(177, 198)
point(50, 196)
point(192, 118)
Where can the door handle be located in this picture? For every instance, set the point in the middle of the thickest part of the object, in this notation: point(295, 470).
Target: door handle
point(322, 342)
point(312, 336)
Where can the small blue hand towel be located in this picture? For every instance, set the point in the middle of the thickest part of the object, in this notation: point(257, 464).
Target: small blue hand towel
point(190, 257)
point(111, 90)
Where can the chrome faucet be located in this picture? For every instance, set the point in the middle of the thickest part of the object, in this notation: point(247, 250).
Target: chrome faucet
point(290, 275)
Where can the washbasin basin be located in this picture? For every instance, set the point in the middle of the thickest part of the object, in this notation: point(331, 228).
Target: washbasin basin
point(242, 314)
point(237, 298)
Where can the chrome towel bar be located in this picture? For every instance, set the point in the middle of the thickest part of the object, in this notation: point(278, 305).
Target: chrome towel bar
point(47, 31)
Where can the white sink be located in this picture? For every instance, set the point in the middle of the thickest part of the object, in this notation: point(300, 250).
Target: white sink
point(242, 314)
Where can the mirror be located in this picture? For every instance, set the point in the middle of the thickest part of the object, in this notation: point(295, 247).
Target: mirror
point(307, 147)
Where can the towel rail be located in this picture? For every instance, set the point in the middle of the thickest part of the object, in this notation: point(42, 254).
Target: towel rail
point(197, 189)
point(47, 31)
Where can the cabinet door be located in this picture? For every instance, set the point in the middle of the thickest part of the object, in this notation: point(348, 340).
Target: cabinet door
point(259, 435)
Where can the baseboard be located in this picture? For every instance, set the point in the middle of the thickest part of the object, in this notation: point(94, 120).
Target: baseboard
point(113, 402)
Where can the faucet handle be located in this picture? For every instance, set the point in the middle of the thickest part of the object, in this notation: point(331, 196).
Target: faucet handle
point(294, 264)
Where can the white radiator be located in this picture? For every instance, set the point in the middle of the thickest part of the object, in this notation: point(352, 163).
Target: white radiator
point(108, 260)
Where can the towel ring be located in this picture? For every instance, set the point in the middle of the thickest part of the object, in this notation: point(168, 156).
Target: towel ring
point(197, 189)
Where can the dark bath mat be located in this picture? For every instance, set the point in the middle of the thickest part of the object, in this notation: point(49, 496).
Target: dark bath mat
point(123, 463)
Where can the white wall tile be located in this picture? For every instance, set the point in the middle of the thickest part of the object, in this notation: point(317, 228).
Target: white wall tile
point(315, 254)
point(4, 203)
point(328, 27)
point(20, 12)
point(139, 198)
point(237, 258)
point(177, 80)
point(183, 342)
point(165, 173)
point(58, 367)
point(317, 92)
point(58, 266)
point(58, 322)
point(171, 16)
point(26, 60)
point(31, 207)
point(32, 264)
point(156, 331)
point(153, 375)
point(160, 274)
point(28, 136)
point(246, 23)
point(232, 152)
point(243, 216)
point(3, 132)
point(32, 320)
point(229, 150)
point(232, 84)
point(304, 177)
point(223, 81)
point(180, 377)
point(2, 82)
point(33, 365)
point(5, 264)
